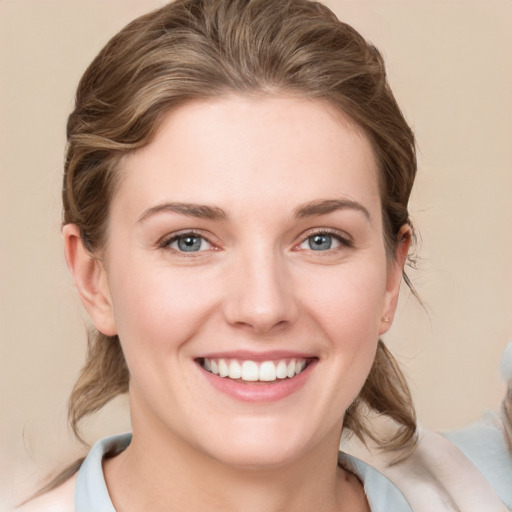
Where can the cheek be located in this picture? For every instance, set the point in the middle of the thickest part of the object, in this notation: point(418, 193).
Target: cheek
point(343, 306)
point(157, 311)
point(347, 299)
point(347, 306)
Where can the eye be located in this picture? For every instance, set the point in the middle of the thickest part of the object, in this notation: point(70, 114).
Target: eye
point(188, 242)
point(320, 242)
point(324, 241)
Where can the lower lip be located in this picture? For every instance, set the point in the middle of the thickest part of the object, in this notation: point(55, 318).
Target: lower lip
point(259, 391)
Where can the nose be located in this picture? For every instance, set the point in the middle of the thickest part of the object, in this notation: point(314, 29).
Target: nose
point(260, 294)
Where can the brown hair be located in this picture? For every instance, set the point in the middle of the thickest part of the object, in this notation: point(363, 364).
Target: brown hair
point(507, 415)
point(195, 49)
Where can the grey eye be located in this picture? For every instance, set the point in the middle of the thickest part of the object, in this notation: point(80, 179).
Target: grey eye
point(188, 243)
point(320, 242)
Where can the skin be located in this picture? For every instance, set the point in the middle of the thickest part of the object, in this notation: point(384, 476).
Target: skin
point(255, 285)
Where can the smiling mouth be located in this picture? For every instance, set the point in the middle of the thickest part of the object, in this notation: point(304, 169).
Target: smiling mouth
point(252, 371)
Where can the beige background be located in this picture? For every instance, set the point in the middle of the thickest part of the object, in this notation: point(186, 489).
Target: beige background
point(449, 64)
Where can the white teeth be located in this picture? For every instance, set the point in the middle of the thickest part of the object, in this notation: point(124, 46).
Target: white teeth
point(250, 371)
point(235, 370)
point(223, 368)
point(282, 370)
point(291, 368)
point(267, 371)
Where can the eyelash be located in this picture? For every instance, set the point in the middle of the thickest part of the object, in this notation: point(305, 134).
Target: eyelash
point(344, 241)
point(166, 242)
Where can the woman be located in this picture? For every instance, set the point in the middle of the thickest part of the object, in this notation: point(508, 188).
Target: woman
point(235, 220)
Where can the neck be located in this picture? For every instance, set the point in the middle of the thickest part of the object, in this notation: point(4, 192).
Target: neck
point(157, 476)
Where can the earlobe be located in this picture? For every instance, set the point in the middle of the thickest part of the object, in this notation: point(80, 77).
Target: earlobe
point(90, 280)
point(395, 272)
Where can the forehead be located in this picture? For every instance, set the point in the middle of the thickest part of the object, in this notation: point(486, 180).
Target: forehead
point(234, 148)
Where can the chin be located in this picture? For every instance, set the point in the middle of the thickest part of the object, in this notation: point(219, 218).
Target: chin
point(257, 458)
point(261, 448)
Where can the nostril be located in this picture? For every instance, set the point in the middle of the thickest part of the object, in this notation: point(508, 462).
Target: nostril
point(262, 326)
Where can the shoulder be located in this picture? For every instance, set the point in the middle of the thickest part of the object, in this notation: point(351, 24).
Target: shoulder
point(437, 475)
point(60, 499)
point(484, 444)
point(487, 443)
point(450, 475)
point(381, 493)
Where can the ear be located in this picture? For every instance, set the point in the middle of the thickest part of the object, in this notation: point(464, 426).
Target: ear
point(90, 280)
point(394, 278)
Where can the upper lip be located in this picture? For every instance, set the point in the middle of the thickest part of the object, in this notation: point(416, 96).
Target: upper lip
point(246, 355)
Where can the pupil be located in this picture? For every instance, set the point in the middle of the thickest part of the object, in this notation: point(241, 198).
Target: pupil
point(320, 242)
point(189, 243)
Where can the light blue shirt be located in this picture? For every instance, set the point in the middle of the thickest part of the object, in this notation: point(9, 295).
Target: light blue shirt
point(91, 494)
point(484, 445)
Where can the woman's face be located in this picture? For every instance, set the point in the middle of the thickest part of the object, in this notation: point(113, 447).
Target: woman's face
point(247, 239)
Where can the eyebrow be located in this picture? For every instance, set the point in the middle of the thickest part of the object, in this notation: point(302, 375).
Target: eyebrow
point(200, 211)
point(323, 207)
point(203, 211)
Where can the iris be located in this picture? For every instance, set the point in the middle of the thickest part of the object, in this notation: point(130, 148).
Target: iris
point(320, 242)
point(190, 243)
